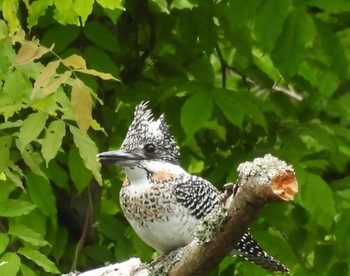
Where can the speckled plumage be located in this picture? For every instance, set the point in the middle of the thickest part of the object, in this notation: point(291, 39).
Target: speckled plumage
point(161, 201)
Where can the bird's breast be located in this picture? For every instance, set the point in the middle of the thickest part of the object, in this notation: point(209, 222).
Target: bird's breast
point(155, 214)
point(147, 203)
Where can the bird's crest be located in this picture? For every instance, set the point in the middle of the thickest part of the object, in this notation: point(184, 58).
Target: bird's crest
point(144, 129)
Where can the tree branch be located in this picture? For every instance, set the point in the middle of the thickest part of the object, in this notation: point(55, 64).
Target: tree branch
point(264, 180)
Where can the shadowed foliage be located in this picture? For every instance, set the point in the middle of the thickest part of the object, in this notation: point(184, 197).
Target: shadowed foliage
point(235, 79)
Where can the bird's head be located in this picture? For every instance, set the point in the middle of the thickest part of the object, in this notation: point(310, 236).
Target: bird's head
point(146, 139)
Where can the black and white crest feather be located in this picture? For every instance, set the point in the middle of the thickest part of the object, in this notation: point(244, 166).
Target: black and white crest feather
point(144, 130)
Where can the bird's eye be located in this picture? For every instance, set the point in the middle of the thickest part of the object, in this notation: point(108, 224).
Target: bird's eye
point(150, 148)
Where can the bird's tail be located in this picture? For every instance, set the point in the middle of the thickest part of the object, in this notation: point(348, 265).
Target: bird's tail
point(249, 249)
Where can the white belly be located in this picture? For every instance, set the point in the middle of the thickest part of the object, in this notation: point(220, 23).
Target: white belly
point(166, 235)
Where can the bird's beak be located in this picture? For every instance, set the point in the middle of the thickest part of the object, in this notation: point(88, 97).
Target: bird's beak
point(120, 157)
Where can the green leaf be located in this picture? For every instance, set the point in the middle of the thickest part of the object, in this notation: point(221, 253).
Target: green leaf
point(341, 232)
point(195, 112)
point(15, 177)
point(39, 258)
point(241, 12)
point(111, 4)
point(65, 13)
point(251, 107)
point(17, 86)
point(100, 35)
point(88, 151)
point(28, 235)
point(59, 246)
point(10, 264)
point(79, 174)
point(58, 174)
point(26, 271)
point(339, 268)
point(5, 143)
point(322, 138)
point(31, 128)
point(316, 194)
point(7, 188)
point(330, 6)
point(83, 8)
point(101, 62)
point(203, 71)
point(298, 30)
point(33, 160)
point(4, 241)
point(269, 22)
point(40, 191)
point(326, 82)
point(53, 140)
point(333, 49)
point(37, 9)
point(82, 104)
point(15, 207)
point(67, 35)
point(233, 110)
point(323, 256)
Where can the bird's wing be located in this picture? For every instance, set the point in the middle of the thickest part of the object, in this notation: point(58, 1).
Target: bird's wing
point(196, 194)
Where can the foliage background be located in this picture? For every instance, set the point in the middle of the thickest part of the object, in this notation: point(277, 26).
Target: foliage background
point(236, 79)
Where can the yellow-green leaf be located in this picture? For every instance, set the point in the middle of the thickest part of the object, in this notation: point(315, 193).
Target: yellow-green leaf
point(26, 52)
point(53, 84)
point(37, 9)
point(53, 140)
point(75, 61)
point(9, 11)
point(82, 104)
point(104, 76)
point(45, 76)
point(42, 50)
point(96, 126)
point(30, 51)
point(83, 8)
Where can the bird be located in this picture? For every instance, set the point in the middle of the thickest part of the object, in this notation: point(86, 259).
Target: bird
point(162, 202)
